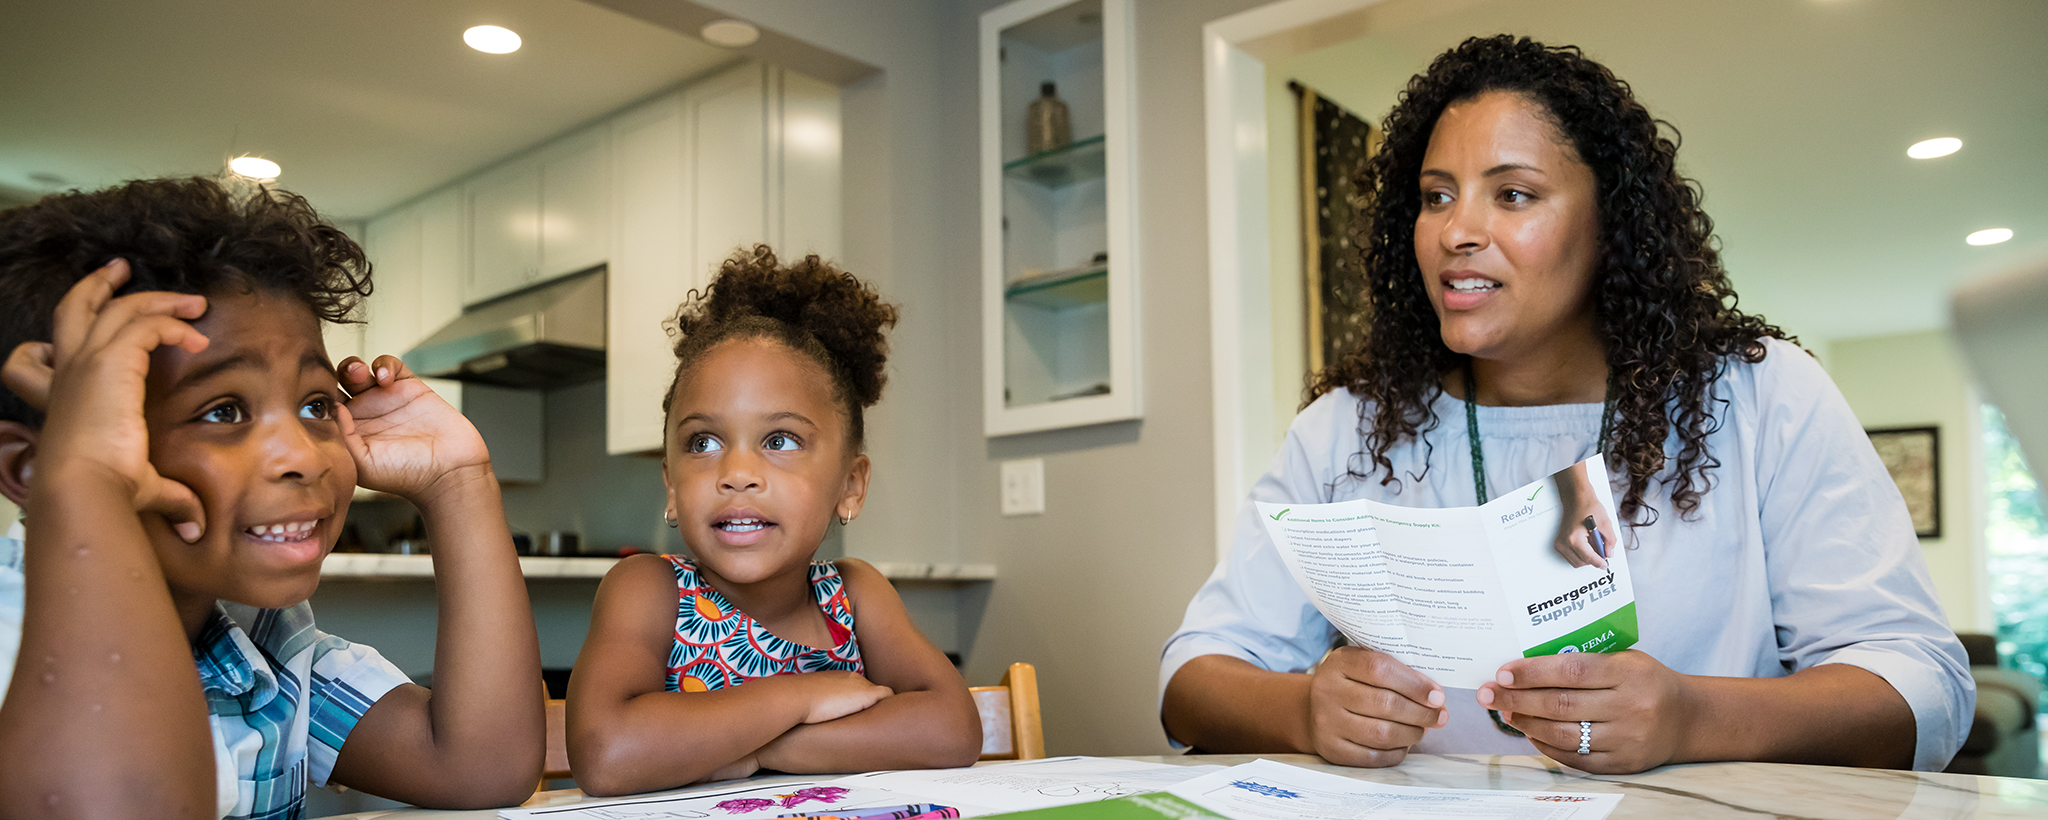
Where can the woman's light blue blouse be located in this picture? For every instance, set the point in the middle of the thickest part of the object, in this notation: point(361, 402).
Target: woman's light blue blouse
point(1802, 552)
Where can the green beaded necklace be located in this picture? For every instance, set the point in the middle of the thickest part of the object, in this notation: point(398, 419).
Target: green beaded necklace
point(1479, 471)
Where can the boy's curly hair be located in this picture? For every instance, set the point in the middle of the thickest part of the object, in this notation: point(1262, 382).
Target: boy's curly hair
point(1662, 302)
point(813, 307)
point(194, 235)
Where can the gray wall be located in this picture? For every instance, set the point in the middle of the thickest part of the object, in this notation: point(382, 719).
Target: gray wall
point(1089, 590)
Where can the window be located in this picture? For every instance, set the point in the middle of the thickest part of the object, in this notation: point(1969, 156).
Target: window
point(2016, 537)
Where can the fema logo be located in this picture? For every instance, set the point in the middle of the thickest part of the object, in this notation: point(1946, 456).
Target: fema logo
point(1567, 650)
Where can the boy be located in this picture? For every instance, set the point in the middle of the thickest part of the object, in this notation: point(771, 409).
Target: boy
point(184, 456)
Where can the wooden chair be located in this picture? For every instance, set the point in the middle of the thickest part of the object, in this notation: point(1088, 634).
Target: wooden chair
point(556, 764)
point(1010, 724)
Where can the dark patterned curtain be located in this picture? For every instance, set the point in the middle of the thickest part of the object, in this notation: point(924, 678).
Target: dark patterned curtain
point(1335, 146)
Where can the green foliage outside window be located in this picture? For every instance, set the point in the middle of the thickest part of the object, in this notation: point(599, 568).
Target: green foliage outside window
point(2016, 533)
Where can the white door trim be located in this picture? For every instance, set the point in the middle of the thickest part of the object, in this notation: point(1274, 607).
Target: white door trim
point(1235, 50)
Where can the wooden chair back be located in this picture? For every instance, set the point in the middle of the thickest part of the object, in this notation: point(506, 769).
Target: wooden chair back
point(1011, 728)
point(556, 765)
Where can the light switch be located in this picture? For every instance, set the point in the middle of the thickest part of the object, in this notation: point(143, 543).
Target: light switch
point(1024, 487)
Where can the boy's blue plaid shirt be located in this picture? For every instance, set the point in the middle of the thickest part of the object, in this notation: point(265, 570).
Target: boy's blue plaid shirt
point(283, 695)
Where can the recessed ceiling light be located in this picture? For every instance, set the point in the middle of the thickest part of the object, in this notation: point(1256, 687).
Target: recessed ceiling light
point(1939, 147)
point(1989, 236)
point(730, 33)
point(256, 168)
point(491, 39)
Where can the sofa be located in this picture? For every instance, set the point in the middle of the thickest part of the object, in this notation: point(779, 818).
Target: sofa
point(2005, 735)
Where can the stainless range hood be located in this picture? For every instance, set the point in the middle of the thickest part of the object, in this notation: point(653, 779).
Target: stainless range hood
point(550, 336)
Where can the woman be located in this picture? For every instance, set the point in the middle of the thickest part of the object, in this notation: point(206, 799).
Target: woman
point(1544, 287)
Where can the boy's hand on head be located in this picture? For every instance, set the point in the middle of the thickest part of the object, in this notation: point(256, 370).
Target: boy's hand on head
point(406, 440)
point(837, 694)
point(89, 380)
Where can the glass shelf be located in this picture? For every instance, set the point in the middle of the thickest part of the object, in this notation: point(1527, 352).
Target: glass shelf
point(1060, 167)
point(1083, 287)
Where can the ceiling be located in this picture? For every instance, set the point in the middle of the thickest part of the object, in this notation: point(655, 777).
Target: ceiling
point(365, 103)
point(1796, 115)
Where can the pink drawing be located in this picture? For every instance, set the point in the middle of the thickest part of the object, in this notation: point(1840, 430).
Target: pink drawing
point(743, 805)
point(822, 794)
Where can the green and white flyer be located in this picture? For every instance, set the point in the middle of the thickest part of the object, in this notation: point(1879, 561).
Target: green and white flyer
point(1265, 790)
point(1456, 592)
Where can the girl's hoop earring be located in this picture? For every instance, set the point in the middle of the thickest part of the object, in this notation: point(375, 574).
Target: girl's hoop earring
point(672, 524)
point(845, 520)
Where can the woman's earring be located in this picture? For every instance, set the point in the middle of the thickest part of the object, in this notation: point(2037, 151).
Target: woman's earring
point(670, 518)
point(845, 520)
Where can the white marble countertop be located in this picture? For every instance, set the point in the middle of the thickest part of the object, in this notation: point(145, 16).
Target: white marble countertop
point(1701, 791)
point(369, 566)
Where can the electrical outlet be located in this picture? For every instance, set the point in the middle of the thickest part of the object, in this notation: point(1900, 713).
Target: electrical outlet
point(1024, 487)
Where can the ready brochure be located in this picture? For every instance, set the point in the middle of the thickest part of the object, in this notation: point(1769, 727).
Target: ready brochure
point(1456, 592)
point(1265, 790)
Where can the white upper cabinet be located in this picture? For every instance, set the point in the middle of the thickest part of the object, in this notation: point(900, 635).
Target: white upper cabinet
point(747, 155)
point(659, 194)
point(394, 242)
point(575, 203)
point(444, 251)
point(728, 150)
point(648, 276)
point(807, 194)
point(540, 216)
point(417, 254)
point(504, 245)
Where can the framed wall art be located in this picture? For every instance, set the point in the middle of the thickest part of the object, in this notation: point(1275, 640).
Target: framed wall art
point(1335, 145)
point(1913, 457)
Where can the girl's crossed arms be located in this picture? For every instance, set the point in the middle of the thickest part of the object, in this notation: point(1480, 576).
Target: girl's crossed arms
point(752, 655)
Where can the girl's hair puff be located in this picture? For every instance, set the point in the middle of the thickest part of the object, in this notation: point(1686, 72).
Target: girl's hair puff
point(812, 307)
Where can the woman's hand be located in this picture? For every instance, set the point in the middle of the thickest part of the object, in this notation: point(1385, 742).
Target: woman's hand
point(1641, 711)
point(90, 380)
point(406, 440)
point(835, 695)
point(1367, 708)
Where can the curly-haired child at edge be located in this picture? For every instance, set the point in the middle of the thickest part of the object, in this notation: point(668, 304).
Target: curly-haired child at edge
point(184, 453)
point(746, 658)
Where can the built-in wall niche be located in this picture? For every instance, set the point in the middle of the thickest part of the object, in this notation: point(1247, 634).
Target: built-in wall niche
point(1059, 269)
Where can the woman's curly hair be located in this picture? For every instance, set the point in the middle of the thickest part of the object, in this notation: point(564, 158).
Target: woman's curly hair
point(195, 235)
point(812, 307)
point(1663, 304)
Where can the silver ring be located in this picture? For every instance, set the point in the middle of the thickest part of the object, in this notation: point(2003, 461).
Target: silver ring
point(1585, 737)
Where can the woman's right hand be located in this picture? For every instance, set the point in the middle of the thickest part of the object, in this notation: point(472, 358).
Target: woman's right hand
point(1366, 708)
point(835, 695)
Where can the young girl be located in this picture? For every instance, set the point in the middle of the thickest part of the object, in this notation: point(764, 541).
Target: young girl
point(753, 656)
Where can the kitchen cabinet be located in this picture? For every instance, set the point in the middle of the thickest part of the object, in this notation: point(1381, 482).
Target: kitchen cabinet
point(392, 311)
point(647, 277)
point(728, 151)
point(540, 216)
point(504, 237)
point(417, 254)
point(575, 203)
point(747, 155)
point(660, 194)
